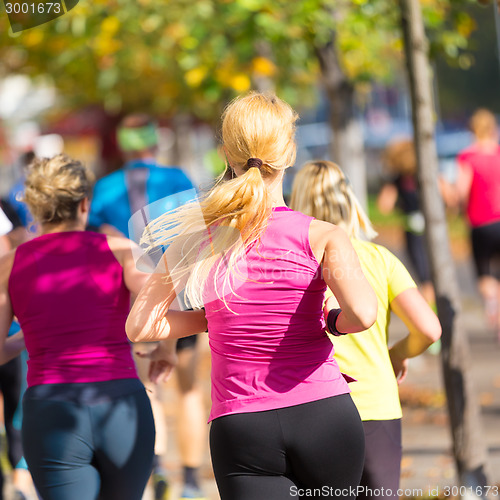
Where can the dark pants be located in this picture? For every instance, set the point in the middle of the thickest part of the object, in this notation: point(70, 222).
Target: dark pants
point(279, 454)
point(415, 244)
point(10, 386)
point(383, 453)
point(82, 451)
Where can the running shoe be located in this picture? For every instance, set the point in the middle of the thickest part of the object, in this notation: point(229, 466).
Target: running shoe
point(192, 493)
point(160, 486)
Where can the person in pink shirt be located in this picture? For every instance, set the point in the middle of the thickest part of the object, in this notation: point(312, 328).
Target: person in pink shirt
point(478, 189)
point(87, 428)
point(282, 421)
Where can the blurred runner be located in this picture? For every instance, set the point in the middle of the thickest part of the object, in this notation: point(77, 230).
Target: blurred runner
point(12, 382)
point(87, 428)
point(16, 193)
point(117, 196)
point(5, 227)
point(320, 189)
point(478, 190)
point(402, 191)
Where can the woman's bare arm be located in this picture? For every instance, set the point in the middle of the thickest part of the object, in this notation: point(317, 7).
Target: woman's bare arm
point(423, 326)
point(387, 198)
point(10, 347)
point(122, 250)
point(463, 183)
point(151, 318)
point(343, 274)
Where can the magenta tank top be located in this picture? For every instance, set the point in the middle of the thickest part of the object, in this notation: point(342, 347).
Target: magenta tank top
point(68, 292)
point(483, 206)
point(269, 348)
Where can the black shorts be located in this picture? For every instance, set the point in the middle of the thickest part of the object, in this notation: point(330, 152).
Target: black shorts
point(485, 247)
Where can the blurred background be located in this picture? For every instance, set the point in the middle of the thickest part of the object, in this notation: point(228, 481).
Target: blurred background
point(66, 84)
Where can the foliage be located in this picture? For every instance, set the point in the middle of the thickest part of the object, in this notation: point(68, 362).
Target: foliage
point(178, 56)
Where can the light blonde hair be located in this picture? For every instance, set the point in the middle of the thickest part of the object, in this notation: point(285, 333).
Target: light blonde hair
point(55, 186)
point(483, 124)
point(400, 157)
point(320, 189)
point(216, 230)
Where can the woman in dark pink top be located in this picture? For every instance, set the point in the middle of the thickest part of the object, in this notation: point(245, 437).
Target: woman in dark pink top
point(478, 188)
point(87, 423)
point(283, 422)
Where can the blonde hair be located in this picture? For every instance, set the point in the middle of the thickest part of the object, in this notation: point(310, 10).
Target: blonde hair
point(55, 186)
point(400, 157)
point(321, 190)
point(483, 124)
point(217, 229)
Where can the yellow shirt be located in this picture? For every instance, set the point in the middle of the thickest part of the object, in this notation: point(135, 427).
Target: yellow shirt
point(365, 355)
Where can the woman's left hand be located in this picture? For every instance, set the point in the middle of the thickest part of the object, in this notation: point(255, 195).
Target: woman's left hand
point(399, 365)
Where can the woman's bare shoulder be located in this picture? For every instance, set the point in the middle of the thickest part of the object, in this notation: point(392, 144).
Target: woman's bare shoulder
point(320, 230)
point(6, 263)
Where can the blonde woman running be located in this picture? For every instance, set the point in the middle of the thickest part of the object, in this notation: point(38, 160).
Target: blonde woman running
point(88, 429)
point(283, 422)
point(320, 189)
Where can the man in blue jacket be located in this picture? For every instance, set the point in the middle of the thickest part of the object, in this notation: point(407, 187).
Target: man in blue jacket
point(145, 188)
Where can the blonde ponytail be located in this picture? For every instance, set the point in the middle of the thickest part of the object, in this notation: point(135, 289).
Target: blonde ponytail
point(321, 189)
point(213, 234)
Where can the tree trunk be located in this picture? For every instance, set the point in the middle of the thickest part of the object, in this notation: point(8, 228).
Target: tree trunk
point(465, 420)
point(348, 148)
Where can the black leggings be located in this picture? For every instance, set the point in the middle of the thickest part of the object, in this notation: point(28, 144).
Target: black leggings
point(289, 452)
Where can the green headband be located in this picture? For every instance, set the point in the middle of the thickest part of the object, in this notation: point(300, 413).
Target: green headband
point(137, 139)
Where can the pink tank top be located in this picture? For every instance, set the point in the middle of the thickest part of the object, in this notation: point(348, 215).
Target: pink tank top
point(68, 292)
point(483, 206)
point(271, 350)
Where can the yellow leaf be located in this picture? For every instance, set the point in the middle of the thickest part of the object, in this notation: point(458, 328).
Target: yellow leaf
point(466, 27)
point(240, 82)
point(33, 37)
point(104, 46)
point(195, 76)
point(263, 66)
point(110, 25)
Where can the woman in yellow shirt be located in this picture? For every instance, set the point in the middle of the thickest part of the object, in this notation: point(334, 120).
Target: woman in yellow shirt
point(320, 189)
